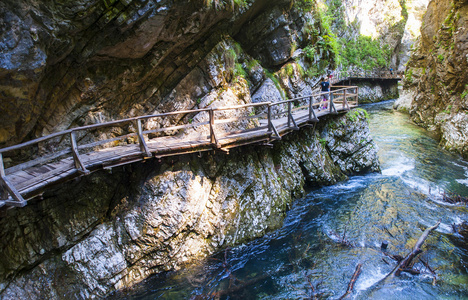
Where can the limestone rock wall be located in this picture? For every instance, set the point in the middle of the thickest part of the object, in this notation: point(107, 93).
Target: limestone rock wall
point(395, 22)
point(72, 63)
point(436, 85)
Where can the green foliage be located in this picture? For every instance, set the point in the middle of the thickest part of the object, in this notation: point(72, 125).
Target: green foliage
point(440, 57)
point(310, 52)
point(321, 36)
point(252, 64)
point(222, 4)
point(276, 82)
point(323, 142)
point(366, 53)
point(239, 71)
point(465, 92)
point(304, 5)
point(289, 70)
point(448, 109)
point(354, 114)
point(409, 75)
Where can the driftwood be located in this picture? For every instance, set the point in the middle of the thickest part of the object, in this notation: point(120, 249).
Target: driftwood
point(406, 262)
point(405, 265)
point(351, 283)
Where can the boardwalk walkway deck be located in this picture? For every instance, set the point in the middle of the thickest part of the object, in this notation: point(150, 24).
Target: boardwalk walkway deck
point(252, 123)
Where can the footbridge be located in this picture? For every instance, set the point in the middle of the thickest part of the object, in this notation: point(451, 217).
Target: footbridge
point(79, 151)
point(350, 76)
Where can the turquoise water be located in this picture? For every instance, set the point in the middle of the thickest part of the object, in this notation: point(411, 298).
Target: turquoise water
point(333, 229)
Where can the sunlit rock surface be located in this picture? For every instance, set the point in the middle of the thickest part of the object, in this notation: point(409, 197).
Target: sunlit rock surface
point(436, 76)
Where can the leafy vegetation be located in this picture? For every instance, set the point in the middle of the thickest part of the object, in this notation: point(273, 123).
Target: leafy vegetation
point(409, 75)
point(465, 92)
point(366, 53)
point(223, 4)
point(354, 114)
point(303, 5)
point(276, 82)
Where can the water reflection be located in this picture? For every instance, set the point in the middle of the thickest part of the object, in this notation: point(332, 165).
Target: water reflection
point(309, 254)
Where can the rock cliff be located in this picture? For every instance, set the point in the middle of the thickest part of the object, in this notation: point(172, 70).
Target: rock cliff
point(72, 63)
point(436, 85)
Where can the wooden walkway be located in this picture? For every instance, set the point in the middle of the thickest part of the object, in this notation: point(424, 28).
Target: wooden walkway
point(344, 76)
point(207, 129)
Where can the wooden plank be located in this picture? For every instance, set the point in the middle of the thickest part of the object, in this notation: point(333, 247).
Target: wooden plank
point(37, 161)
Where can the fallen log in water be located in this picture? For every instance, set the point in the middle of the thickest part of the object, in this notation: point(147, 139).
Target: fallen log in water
point(351, 283)
point(405, 264)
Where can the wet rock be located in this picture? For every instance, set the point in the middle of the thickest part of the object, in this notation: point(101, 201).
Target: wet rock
point(436, 77)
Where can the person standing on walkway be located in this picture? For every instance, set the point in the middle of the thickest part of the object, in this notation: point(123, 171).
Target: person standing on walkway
point(325, 88)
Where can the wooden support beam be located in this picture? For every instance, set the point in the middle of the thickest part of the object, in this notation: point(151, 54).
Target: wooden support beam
point(276, 135)
point(3, 191)
point(18, 199)
point(76, 156)
point(141, 140)
point(332, 105)
point(312, 115)
point(213, 139)
point(270, 124)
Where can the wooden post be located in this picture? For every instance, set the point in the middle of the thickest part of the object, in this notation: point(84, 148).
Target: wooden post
point(141, 140)
point(213, 139)
point(289, 114)
point(3, 191)
point(270, 129)
point(357, 95)
point(345, 102)
point(76, 156)
point(8, 188)
point(332, 105)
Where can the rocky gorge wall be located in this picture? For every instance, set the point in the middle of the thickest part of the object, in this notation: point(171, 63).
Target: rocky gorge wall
point(110, 230)
point(73, 63)
point(436, 85)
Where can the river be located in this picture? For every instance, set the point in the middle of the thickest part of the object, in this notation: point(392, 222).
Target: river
point(333, 229)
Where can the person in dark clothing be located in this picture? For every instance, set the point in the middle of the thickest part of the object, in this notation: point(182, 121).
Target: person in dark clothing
point(325, 88)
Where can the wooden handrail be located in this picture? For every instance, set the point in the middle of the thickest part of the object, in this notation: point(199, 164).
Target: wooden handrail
point(74, 149)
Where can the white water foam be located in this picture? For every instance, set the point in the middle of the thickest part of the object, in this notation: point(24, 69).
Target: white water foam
point(462, 165)
point(399, 167)
point(371, 277)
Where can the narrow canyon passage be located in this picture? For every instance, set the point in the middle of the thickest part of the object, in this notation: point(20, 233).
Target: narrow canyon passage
point(394, 206)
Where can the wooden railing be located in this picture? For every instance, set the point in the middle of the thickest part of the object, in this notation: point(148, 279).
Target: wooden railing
point(262, 121)
point(346, 75)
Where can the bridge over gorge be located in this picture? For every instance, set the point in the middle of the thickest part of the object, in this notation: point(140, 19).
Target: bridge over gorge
point(349, 76)
point(207, 129)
